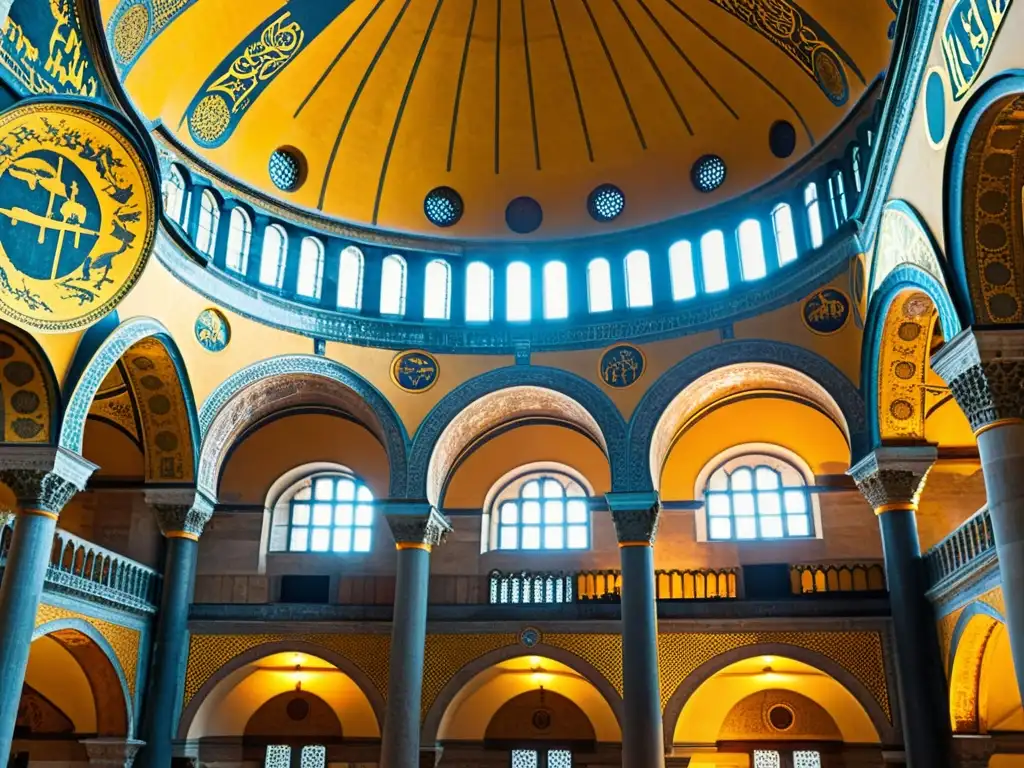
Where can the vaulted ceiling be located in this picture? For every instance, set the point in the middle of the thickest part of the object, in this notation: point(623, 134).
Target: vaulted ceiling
point(385, 100)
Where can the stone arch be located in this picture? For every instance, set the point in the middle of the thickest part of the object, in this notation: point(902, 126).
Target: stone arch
point(358, 676)
point(458, 681)
point(674, 707)
point(652, 426)
point(540, 390)
point(901, 319)
point(92, 651)
point(974, 629)
point(286, 381)
point(29, 394)
point(984, 214)
point(158, 374)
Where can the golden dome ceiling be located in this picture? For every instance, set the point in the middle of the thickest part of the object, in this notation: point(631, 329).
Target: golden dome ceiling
point(385, 100)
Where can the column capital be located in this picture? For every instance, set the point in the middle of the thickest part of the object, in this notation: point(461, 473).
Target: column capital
point(985, 374)
point(891, 477)
point(416, 524)
point(181, 513)
point(636, 517)
point(43, 478)
point(112, 753)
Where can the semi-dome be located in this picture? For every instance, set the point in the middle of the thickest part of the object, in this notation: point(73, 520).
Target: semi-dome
point(488, 119)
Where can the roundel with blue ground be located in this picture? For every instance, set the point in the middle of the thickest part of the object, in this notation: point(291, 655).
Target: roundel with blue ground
point(622, 366)
point(827, 311)
point(414, 371)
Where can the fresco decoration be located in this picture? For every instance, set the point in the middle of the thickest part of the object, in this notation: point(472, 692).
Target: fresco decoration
point(135, 23)
point(162, 410)
point(25, 399)
point(414, 371)
point(993, 241)
point(213, 332)
point(804, 40)
point(827, 311)
point(902, 239)
point(243, 75)
point(114, 403)
point(967, 38)
point(903, 368)
point(622, 366)
point(42, 51)
point(77, 216)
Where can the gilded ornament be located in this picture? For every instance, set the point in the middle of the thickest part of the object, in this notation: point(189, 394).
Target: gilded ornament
point(827, 311)
point(76, 216)
point(130, 32)
point(212, 330)
point(414, 371)
point(622, 366)
point(967, 38)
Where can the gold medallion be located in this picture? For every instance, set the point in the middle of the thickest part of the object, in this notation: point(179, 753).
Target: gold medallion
point(77, 216)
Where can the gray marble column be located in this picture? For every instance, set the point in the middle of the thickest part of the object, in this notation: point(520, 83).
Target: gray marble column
point(636, 525)
point(985, 373)
point(182, 515)
point(417, 528)
point(891, 480)
point(43, 480)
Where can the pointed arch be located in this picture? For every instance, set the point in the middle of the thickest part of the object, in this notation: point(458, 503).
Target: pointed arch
point(29, 394)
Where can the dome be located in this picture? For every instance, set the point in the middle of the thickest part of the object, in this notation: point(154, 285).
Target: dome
point(497, 119)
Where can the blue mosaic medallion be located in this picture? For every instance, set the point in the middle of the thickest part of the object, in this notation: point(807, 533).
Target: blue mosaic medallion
point(212, 330)
point(826, 311)
point(622, 366)
point(414, 371)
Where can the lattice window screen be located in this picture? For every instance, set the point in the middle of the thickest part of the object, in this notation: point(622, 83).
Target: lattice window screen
point(767, 758)
point(524, 758)
point(314, 756)
point(559, 758)
point(278, 756)
point(806, 759)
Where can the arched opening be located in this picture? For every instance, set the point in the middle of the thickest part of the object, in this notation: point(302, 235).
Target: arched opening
point(28, 390)
point(684, 278)
point(479, 293)
point(239, 240)
point(980, 701)
point(393, 278)
point(350, 278)
point(311, 268)
point(172, 188)
point(274, 256)
point(437, 290)
point(208, 224)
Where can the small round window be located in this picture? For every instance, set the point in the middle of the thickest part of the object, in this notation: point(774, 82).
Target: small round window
point(287, 169)
point(708, 173)
point(606, 203)
point(443, 206)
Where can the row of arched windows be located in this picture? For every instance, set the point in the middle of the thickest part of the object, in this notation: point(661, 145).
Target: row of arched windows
point(694, 268)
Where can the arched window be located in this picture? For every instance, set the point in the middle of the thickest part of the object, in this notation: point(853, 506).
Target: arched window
point(392, 285)
point(837, 192)
point(517, 292)
point(712, 261)
point(239, 238)
point(172, 188)
point(680, 264)
point(757, 496)
point(785, 235)
point(209, 220)
point(350, 278)
point(858, 180)
point(599, 285)
point(274, 255)
point(638, 279)
point(311, 268)
point(542, 511)
point(556, 291)
point(752, 261)
point(327, 513)
point(437, 291)
point(813, 214)
point(479, 293)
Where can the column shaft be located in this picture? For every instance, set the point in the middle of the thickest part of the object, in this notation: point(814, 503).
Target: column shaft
point(921, 681)
point(1002, 460)
point(400, 745)
point(643, 744)
point(170, 653)
point(20, 591)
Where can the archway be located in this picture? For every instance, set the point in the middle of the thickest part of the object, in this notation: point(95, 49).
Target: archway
point(979, 700)
point(29, 395)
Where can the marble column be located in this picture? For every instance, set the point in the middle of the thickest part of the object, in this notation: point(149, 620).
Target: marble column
point(636, 524)
point(43, 481)
point(891, 479)
point(417, 528)
point(112, 753)
point(985, 373)
point(182, 515)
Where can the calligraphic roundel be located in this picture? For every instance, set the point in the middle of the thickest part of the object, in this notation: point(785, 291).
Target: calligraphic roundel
point(77, 216)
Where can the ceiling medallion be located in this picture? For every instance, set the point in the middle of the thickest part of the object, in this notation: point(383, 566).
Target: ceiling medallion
point(414, 371)
point(827, 311)
point(622, 366)
point(77, 216)
point(212, 330)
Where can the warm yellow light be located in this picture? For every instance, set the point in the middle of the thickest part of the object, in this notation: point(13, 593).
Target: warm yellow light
point(540, 678)
point(768, 660)
point(297, 659)
point(535, 663)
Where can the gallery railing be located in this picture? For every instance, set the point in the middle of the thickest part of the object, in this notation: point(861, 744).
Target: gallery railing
point(964, 547)
point(829, 578)
point(83, 569)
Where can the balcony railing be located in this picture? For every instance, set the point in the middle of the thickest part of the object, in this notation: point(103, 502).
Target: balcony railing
point(533, 587)
point(963, 547)
point(829, 578)
point(83, 569)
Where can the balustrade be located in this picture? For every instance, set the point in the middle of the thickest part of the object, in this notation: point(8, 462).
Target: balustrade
point(828, 578)
point(964, 546)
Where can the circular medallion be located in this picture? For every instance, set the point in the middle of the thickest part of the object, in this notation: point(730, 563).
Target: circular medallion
point(77, 216)
point(826, 311)
point(622, 366)
point(414, 371)
point(212, 330)
point(830, 75)
point(781, 717)
point(529, 637)
point(130, 32)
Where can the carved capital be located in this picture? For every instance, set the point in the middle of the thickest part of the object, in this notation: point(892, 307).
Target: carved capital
point(985, 374)
point(636, 517)
point(892, 477)
point(112, 753)
point(180, 512)
point(43, 478)
point(416, 524)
